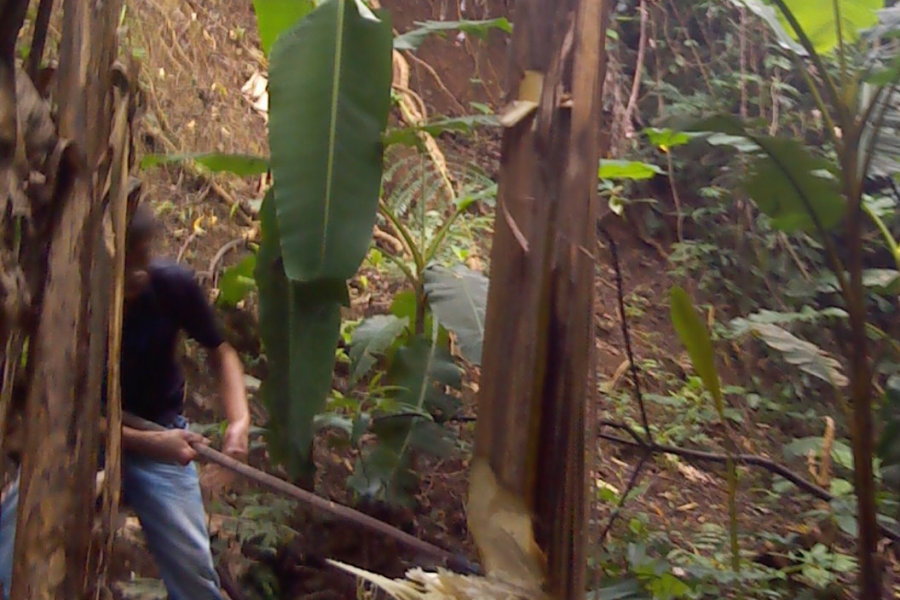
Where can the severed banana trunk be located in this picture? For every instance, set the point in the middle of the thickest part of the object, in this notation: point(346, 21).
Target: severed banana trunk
point(444, 585)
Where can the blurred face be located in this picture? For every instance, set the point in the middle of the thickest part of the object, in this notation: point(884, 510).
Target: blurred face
point(137, 258)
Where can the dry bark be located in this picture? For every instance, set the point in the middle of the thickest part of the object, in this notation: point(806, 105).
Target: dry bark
point(55, 185)
point(529, 453)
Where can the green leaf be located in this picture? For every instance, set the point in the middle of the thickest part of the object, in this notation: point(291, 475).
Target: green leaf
point(885, 282)
point(243, 165)
point(422, 370)
point(793, 187)
point(882, 281)
point(372, 338)
point(818, 20)
point(408, 136)
point(668, 587)
point(458, 298)
point(841, 453)
point(889, 442)
point(666, 139)
point(329, 98)
point(627, 169)
point(360, 427)
point(808, 357)
point(273, 17)
point(695, 338)
point(411, 40)
point(237, 281)
point(329, 420)
point(404, 306)
point(300, 326)
point(773, 19)
point(626, 589)
point(741, 326)
point(381, 473)
point(790, 185)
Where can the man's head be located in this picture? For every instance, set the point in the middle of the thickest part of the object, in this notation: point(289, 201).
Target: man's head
point(138, 249)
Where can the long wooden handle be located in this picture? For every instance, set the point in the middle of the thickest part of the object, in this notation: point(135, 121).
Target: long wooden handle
point(447, 559)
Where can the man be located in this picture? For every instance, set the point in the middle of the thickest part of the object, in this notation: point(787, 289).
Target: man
point(159, 479)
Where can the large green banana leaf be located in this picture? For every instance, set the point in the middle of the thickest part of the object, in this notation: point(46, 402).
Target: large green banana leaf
point(329, 99)
point(299, 324)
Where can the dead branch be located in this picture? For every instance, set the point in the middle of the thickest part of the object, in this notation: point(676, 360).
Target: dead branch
point(626, 334)
point(344, 513)
point(751, 460)
point(638, 71)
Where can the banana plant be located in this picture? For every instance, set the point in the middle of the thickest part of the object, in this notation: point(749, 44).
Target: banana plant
point(329, 100)
point(802, 189)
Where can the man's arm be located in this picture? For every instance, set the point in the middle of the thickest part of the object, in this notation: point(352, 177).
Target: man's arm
point(197, 318)
point(226, 364)
point(172, 446)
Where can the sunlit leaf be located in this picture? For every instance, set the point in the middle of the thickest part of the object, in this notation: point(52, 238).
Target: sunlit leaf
point(818, 19)
point(411, 40)
point(771, 16)
point(627, 169)
point(237, 281)
point(666, 139)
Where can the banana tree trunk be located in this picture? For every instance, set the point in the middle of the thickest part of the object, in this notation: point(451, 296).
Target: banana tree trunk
point(64, 257)
point(528, 474)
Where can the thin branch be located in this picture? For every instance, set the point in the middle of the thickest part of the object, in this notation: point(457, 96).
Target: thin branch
point(639, 67)
point(626, 333)
point(744, 459)
point(632, 483)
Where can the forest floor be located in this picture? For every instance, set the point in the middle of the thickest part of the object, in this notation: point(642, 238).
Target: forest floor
point(197, 55)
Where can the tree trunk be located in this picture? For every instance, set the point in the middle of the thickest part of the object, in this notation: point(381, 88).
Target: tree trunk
point(528, 474)
point(63, 253)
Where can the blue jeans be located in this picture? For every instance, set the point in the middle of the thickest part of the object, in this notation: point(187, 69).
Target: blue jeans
point(167, 500)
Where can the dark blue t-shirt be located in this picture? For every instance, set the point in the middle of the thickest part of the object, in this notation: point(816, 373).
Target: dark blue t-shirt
point(152, 381)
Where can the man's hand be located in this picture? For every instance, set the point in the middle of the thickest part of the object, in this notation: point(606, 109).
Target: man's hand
point(174, 446)
point(215, 479)
point(237, 440)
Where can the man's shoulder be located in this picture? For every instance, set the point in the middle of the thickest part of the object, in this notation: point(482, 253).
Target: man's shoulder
point(167, 273)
